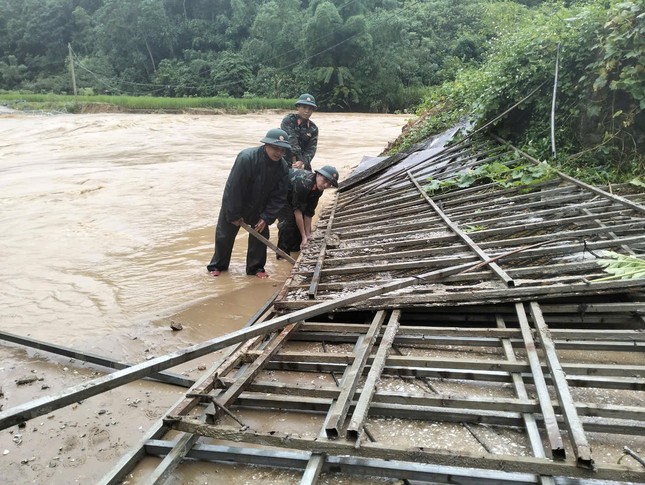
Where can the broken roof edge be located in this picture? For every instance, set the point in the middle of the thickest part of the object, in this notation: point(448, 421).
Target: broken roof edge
point(437, 142)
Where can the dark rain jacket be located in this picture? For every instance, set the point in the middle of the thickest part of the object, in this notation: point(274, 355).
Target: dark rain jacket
point(256, 187)
point(302, 192)
point(303, 138)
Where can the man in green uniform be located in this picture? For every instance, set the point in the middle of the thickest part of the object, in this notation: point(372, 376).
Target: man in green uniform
point(303, 133)
point(305, 189)
point(255, 193)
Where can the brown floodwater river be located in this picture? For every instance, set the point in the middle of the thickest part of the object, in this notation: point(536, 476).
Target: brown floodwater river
point(108, 219)
point(106, 225)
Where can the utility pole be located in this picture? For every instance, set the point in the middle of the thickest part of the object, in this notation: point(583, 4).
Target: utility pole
point(71, 65)
point(555, 92)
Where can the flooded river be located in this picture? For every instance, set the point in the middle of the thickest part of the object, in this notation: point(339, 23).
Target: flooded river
point(107, 219)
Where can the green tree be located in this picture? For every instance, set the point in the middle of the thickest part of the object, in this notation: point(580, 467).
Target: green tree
point(135, 36)
point(332, 48)
point(12, 74)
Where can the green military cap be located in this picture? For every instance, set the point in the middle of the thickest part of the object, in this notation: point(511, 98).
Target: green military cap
point(277, 137)
point(330, 173)
point(307, 99)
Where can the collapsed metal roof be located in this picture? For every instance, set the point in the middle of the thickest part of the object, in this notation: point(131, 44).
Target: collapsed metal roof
point(544, 238)
point(417, 317)
point(453, 336)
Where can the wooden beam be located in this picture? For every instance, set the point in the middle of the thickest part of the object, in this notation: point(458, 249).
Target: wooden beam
point(338, 412)
point(464, 237)
point(254, 368)
point(548, 414)
point(577, 436)
point(266, 242)
point(296, 460)
point(355, 426)
point(507, 463)
point(315, 279)
point(167, 377)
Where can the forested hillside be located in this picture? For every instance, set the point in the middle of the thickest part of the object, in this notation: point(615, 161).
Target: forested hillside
point(370, 55)
point(452, 58)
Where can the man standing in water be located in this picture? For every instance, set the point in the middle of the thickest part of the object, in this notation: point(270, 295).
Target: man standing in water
point(303, 133)
point(305, 189)
point(255, 192)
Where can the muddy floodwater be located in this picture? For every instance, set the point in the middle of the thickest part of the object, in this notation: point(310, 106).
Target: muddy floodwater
point(106, 225)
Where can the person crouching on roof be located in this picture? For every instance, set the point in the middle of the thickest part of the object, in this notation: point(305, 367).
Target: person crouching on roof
point(255, 193)
point(305, 189)
point(303, 133)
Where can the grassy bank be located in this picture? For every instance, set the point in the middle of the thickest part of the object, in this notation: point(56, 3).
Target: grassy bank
point(81, 104)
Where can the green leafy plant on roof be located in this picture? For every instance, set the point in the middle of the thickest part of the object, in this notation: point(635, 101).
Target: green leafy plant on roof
point(496, 173)
point(621, 266)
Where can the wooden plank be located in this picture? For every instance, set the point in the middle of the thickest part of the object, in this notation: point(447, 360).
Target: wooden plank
point(296, 460)
point(363, 258)
point(485, 210)
point(590, 381)
point(403, 215)
point(485, 193)
point(575, 234)
point(464, 237)
point(315, 279)
point(338, 412)
point(601, 209)
point(257, 389)
point(313, 469)
point(590, 307)
point(167, 377)
point(578, 439)
point(508, 463)
point(421, 299)
point(387, 229)
point(286, 403)
point(561, 249)
point(394, 202)
point(428, 236)
point(520, 391)
point(266, 242)
point(548, 414)
point(561, 211)
point(549, 223)
point(355, 426)
point(512, 366)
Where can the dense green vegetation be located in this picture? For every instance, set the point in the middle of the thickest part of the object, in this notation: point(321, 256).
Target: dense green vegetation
point(599, 119)
point(446, 59)
point(368, 55)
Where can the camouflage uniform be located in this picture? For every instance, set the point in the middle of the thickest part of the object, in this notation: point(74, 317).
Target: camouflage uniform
point(302, 195)
point(303, 138)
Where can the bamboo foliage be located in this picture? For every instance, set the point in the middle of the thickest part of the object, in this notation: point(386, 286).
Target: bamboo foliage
point(621, 266)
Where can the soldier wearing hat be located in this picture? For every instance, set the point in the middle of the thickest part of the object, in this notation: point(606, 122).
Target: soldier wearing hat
point(255, 192)
point(305, 189)
point(303, 133)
